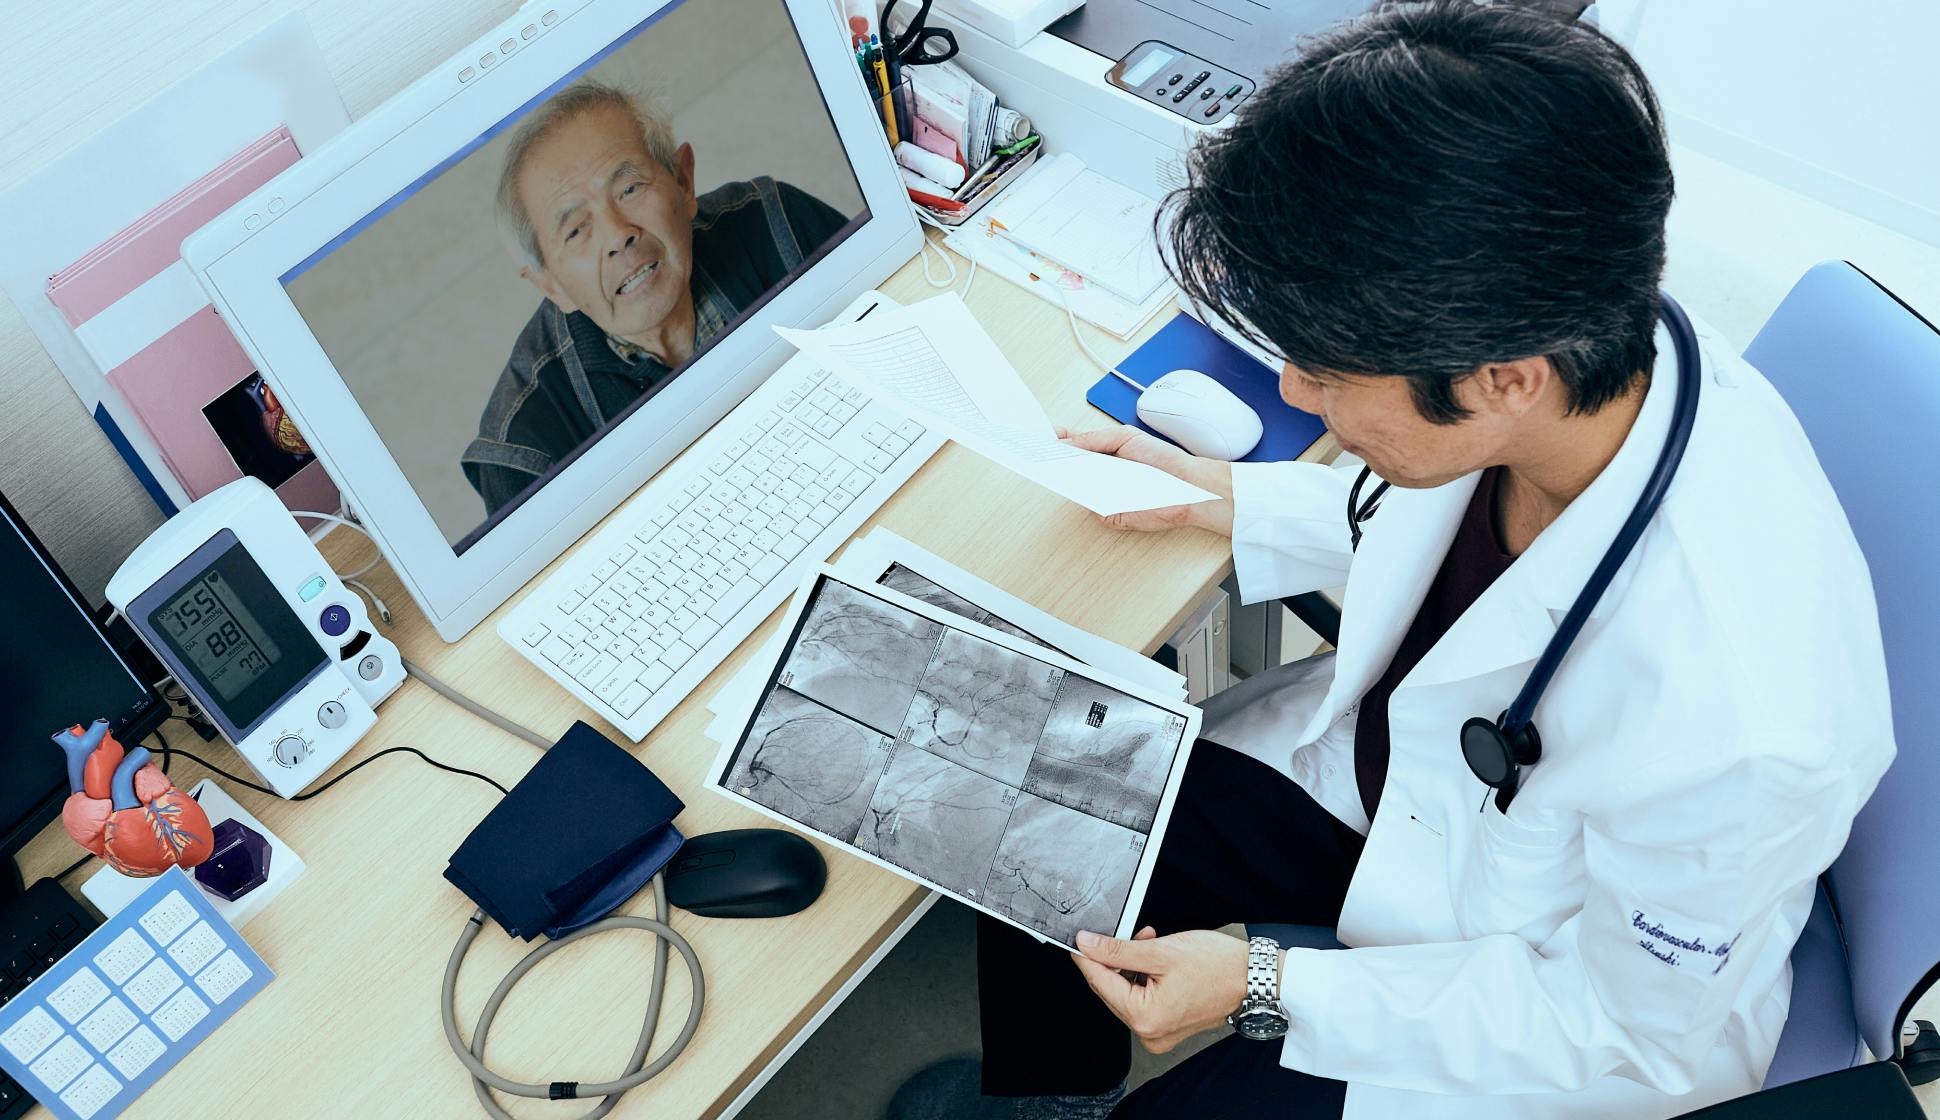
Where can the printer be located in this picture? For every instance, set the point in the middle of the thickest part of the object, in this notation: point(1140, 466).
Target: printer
point(1128, 85)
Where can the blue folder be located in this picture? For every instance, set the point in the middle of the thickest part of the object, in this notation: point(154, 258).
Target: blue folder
point(1186, 343)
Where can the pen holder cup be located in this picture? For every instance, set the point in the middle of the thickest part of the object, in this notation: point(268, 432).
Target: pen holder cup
point(992, 187)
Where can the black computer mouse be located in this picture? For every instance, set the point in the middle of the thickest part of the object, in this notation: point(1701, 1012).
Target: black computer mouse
point(745, 873)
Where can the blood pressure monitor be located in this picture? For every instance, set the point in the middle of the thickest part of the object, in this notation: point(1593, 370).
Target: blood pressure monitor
point(239, 604)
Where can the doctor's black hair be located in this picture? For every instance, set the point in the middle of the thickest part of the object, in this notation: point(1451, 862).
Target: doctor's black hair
point(1433, 187)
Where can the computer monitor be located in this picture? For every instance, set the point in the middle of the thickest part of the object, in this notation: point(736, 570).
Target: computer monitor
point(60, 670)
point(505, 298)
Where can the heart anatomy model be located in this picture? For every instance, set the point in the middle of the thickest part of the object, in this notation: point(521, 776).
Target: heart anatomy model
point(125, 810)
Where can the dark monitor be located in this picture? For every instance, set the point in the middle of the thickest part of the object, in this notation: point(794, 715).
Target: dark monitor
point(60, 669)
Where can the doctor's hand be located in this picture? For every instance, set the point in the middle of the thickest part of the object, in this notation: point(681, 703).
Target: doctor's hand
point(1179, 985)
point(1127, 442)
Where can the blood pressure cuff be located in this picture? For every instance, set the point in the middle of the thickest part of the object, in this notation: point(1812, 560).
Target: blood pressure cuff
point(581, 833)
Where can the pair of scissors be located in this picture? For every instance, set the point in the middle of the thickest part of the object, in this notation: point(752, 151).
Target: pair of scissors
point(914, 46)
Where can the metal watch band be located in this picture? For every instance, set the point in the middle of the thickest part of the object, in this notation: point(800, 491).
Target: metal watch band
point(1262, 969)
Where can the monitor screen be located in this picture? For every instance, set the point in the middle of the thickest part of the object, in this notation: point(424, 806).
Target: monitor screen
point(60, 671)
point(508, 309)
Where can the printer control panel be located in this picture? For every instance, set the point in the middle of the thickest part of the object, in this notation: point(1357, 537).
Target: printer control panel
point(1200, 91)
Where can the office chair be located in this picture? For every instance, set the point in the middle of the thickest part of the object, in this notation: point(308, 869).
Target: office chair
point(1861, 370)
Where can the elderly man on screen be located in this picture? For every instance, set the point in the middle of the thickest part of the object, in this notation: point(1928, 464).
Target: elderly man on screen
point(638, 273)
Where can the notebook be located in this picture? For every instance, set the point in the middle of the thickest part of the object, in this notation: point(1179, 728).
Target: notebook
point(1098, 228)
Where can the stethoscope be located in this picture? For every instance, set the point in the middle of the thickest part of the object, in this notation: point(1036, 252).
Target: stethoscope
point(1498, 749)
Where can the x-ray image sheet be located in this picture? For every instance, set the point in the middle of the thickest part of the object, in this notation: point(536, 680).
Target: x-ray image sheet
point(971, 759)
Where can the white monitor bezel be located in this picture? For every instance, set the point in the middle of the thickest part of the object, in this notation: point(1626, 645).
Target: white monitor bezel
point(241, 256)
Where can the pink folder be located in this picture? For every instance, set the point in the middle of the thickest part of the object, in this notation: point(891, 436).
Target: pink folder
point(170, 356)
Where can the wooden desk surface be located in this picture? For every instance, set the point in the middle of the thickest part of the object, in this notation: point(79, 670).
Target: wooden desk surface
point(350, 1027)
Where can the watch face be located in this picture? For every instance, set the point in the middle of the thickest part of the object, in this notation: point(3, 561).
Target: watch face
point(1262, 1024)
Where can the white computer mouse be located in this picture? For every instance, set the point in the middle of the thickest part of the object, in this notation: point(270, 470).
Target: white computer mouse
point(1200, 415)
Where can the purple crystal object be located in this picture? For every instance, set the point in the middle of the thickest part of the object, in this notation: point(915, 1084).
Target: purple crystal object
point(239, 864)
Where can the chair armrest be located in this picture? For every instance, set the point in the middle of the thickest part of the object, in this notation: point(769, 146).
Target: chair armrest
point(1318, 612)
point(1876, 1090)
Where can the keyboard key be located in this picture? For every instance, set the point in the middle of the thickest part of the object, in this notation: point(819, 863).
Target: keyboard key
point(575, 659)
point(619, 556)
point(637, 632)
point(895, 445)
point(771, 505)
point(879, 461)
point(665, 636)
point(606, 570)
point(789, 490)
point(739, 478)
point(724, 551)
point(767, 568)
point(607, 601)
point(730, 604)
point(740, 535)
point(691, 522)
point(790, 546)
point(701, 630)
point(821, 515)
point(815, 493)
point(701, 545)
point(631, 699)
point(790, 435)
point(842, 413)
point(797, 509)
point(625, 585)
point(815, 376)
point(591, 673)
point(696, 488)
point(827, 426)
point(707, 567)
point(683, 561)
point(655, 675)
point(722, 465)
point(571, 602)
point(757, 463)
point(875, 433)
point(733, 571)
point(733, 512)
point(589, 616)
point(688, 582)
point(909, 430)
point(588, 587)
point(621, 648)
point(748, 558)
point(661, 519)
point(823, 399)
point(715, 589)
point(574, 634)
point(804, 474)
point(676, 538)
point(556, 650)
point(539, 633)
point(813, 455)
point(791, 400)
point(678, 653)
point(766, 541)
point(767, 420)
point(784, 525)
point(856, 483)
point(853, 395)
point(683, 619)
point(615, 682)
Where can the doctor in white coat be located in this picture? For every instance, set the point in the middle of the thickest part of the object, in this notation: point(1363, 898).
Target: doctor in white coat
point(1449, 218)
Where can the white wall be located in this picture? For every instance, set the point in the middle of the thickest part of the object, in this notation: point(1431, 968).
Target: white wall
point(1833, 98)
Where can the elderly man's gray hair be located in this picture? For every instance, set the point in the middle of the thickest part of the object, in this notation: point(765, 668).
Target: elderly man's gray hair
point(568, 104)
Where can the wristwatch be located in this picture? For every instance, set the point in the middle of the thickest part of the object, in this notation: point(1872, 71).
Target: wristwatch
point(1261, 1016)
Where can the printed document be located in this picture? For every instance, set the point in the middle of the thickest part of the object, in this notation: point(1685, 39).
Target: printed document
point(934, 361)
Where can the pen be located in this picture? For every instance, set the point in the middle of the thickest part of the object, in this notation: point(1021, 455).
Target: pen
point(970, 181)
point(896, 90)
point(888, 105)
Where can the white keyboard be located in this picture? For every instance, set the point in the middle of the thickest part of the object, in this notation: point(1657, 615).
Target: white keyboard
point(646, 607)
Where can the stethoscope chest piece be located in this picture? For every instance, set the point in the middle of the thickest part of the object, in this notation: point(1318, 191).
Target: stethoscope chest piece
point(1496, 757)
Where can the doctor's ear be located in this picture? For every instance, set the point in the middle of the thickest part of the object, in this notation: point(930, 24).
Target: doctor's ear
point(1509, 388)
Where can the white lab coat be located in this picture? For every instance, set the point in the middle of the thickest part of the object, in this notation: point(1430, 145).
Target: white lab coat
point(1617, 944)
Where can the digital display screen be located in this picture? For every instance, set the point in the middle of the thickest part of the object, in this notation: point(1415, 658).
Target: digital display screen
point(554, 275)
point(223, 639)
point(229, 635)
point(1151, 64)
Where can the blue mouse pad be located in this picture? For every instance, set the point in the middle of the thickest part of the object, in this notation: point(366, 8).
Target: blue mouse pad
point(1186, 343)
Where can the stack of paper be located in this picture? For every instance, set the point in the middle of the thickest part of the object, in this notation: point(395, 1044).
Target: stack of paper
point(933, 361)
